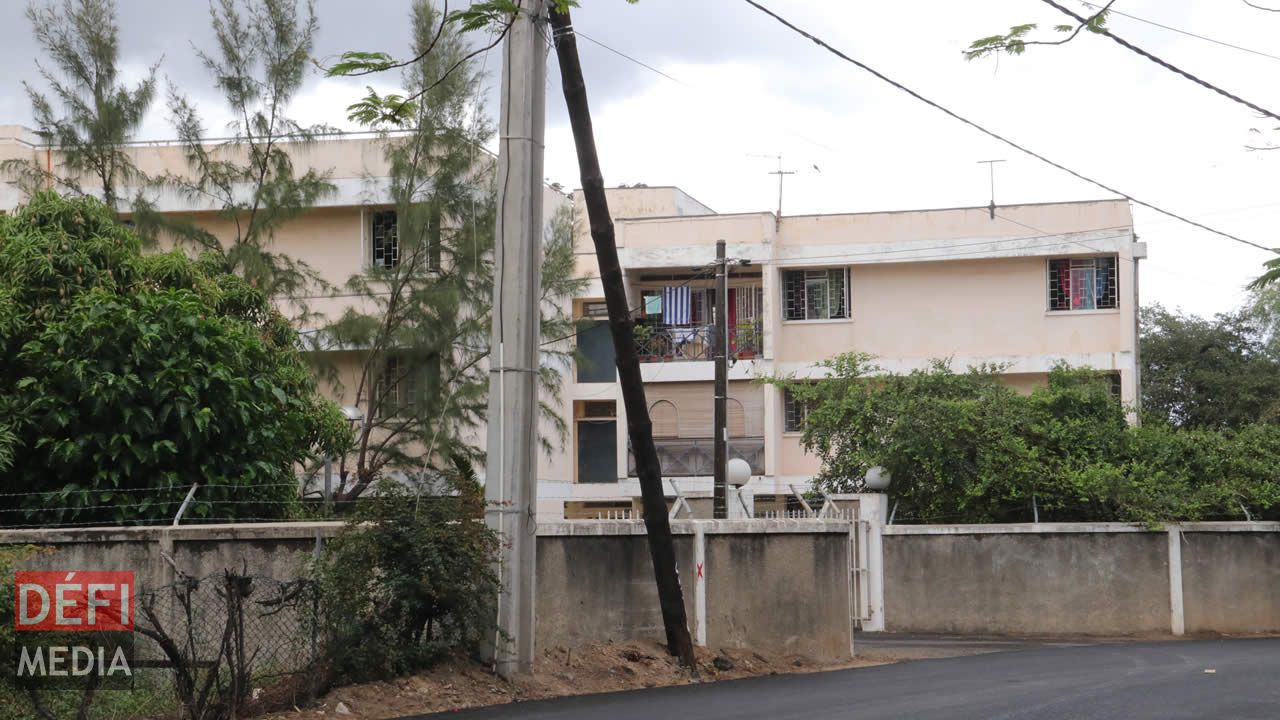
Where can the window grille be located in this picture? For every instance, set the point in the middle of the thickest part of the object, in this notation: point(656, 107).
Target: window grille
point(386, 239)
point(396, 387)
point(816, 294)
point(1082, 283)
point(794, 412)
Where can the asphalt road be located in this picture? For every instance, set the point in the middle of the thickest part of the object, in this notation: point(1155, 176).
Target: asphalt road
point(1144, 680)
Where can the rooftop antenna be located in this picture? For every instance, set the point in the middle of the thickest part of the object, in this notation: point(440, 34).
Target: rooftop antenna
point(991, 165)
point(781, 174)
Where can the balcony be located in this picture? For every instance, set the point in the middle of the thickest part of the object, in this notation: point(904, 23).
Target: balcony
point(692, 457)
point(677, 343)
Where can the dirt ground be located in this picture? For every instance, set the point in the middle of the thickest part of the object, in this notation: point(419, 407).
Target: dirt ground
point(557, 672)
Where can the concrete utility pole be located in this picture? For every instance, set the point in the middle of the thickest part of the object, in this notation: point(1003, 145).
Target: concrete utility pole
point(720, 505)
point(511, 481)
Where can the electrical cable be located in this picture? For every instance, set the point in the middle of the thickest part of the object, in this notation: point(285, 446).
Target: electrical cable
point(1251, 51)
point(1159, 61)
point(899, 86)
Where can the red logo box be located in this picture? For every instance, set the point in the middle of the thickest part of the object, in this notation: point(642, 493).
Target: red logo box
point(73, 601)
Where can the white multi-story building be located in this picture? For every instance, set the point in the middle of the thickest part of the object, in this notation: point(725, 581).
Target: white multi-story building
point(1025, 286)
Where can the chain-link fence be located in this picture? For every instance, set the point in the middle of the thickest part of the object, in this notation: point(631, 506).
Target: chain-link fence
point(232, 643)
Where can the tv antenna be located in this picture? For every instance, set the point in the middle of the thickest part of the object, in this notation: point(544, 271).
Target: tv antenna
point(991, 166)
point(781, 174)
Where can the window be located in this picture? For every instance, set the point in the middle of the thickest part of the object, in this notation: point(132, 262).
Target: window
point(386, 239)
point(396, 388)
point(1082, 284)
point(597, 441)
point(595, 310)
point(404, 382)
point(794, 412)
point(1114, 385)
point(816, 294)
point(595, 357)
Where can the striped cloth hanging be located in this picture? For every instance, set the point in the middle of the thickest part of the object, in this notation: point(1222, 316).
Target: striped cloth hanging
point(676, 305)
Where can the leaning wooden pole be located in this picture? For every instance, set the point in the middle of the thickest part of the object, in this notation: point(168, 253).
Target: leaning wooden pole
point(661, 547)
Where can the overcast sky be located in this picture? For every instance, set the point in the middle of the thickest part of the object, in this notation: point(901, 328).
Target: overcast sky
point(745, 86)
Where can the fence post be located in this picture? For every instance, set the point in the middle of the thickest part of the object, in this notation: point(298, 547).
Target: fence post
point(1177, 618)
point(699, 585)
point(873, 508)
point(853, 550)
point(165, 573)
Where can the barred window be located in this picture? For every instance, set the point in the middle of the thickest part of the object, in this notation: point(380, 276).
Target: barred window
point(386, 239)
point(816, 294)
point(396, 387)
point(794, 411)
point(1082, 283)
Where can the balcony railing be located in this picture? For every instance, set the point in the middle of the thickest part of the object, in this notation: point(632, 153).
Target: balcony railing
point(692, 457)
point(663, 343)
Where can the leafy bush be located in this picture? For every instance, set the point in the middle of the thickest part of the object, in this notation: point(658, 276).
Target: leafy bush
point(121, 372)
point(965, 447)
point(409, 579)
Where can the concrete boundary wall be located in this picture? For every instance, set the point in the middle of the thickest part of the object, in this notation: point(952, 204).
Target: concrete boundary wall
point(1082, 578)
point(769, 585)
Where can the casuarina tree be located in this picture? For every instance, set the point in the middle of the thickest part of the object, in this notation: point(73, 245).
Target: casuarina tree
point(89, 113)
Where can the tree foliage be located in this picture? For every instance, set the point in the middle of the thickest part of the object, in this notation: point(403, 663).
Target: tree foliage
point(1015, 41)
point(125, 379)
point(408, 580)
point(1208, 373)
point(492, 16)
point(91, 112)
point(1270, 276)
point(965, 447)
point(421, 325)
point(263, 49)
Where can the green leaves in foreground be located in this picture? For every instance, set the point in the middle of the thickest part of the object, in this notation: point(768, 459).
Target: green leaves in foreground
point(125, 379)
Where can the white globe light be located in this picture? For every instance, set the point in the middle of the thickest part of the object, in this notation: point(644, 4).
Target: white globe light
point(877, 479)
point(738, 472)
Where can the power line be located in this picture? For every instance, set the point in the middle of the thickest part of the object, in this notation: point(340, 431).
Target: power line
point(1251, 51)
point(625, 56)
point(826, 46)
point(682, 83)
point(1161, 62)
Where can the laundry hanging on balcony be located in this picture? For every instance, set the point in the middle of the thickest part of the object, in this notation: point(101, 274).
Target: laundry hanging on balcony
point(676, 306)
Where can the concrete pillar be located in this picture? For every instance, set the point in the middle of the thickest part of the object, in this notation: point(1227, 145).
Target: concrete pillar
point(874, 509)
point(699, 585)
point(1177, 618)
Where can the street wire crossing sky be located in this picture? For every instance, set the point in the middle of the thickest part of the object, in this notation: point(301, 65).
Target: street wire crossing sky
point(725, 85)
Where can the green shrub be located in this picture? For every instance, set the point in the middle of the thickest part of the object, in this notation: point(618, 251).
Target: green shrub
point(409, 579)
point(964, 447)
